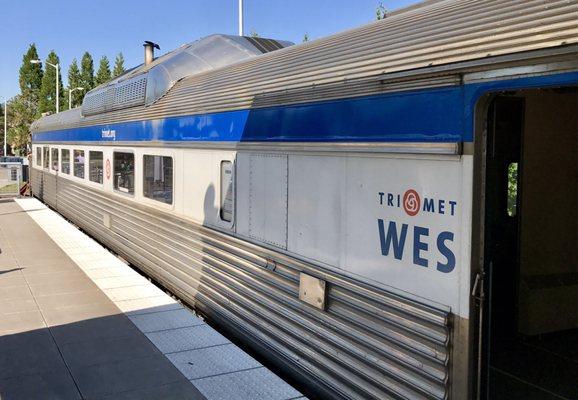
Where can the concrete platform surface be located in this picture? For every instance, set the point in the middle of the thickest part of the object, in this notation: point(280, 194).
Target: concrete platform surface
point(78, 323)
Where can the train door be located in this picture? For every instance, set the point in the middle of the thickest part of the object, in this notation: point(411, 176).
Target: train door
point(530, 327)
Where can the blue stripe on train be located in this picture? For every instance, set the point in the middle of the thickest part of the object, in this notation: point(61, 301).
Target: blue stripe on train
point(434, 115)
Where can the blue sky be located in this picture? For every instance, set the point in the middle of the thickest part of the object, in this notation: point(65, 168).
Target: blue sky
point(106, 27)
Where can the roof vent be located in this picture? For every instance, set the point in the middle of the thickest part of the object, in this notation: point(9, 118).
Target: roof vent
point(149, 51)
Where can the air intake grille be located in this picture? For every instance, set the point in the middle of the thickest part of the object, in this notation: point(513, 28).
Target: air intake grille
point(125, 94)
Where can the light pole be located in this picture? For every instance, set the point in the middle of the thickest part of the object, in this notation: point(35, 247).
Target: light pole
point(57, 66)
point(240, 17)
point(5, 124)
point(70, 95)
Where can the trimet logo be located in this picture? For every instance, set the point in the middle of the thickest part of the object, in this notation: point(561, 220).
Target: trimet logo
point(412, 203)
point(429, 246)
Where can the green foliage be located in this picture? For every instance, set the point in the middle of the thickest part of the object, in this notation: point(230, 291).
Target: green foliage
point(254, 34)
point(74, 81)
point(380, 12)
point(47, 101)
point(512, 189)
point(30, 74)
point(103, 74)
point(118, 66)
point(305, 37)
point(87, 72)
point(21, 113)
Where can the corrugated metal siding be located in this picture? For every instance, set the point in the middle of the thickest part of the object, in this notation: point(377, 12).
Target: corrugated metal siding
point(436, 33)
point(368, 344)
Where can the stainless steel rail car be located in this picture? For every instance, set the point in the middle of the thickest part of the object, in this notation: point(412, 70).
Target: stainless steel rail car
point(366, 210)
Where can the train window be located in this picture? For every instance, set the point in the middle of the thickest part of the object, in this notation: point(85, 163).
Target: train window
point(65, 161)
point(39, 156)
point(158, 178)
point(226, 211)
point(54, 159)
point(79, 163)
point(95, 166)
point(124, 172)
point(46, 154)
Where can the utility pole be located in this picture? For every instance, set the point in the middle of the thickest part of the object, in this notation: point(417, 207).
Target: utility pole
point(5, 124)
point(241, 18)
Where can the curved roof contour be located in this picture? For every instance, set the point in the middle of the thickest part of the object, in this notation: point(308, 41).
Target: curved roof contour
point(430, 38)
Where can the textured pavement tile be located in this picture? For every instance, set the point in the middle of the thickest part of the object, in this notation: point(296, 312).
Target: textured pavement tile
point(140, 373)
point(173, 391)
point(182, 339)
point(165, 320)
point(120, 281)
point(211, 361)
point(133, 292)
point(148, 305)
point(110, 272)
point(253, 384)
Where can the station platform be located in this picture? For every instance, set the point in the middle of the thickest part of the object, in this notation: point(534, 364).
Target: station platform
point(76, 322)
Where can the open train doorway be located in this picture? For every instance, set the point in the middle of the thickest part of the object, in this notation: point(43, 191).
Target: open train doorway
point(530, 325)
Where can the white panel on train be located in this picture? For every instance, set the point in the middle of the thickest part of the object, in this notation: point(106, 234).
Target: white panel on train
point(315, 207)
point(266, 198)
point(393, 220)
point(202, 188)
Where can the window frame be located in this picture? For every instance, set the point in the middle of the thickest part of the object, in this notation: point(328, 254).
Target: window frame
point(54, 167)
point(83, 163)
point(62, 161)
point(155, 201)
point(46, 157)
point(233, 194)
point(101, 183)
point(39, 156)
point(113, 173)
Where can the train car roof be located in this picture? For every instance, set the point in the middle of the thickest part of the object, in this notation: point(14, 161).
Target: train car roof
point(429, 39)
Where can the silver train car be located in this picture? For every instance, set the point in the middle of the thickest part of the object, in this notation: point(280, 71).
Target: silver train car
point(382, 213)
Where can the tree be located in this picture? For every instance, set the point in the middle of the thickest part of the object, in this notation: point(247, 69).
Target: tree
point(87, 72)
point(118, 66)
point(74, 81)
point(103, 74)
point(21, 113)
point(254, 34)
point(380, 12)
point(47, 102)
point(305, 37)
point(30, 74)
